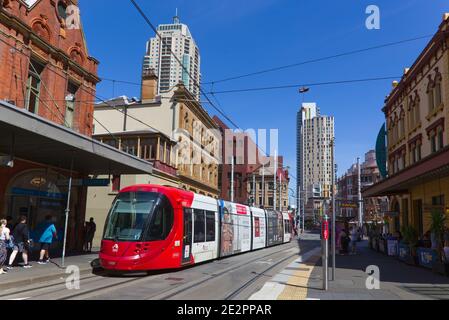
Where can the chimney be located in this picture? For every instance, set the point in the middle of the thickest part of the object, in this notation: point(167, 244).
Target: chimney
point(149, 85)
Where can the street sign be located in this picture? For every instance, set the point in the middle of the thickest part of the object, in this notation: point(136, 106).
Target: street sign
point(85, 182)
point(349, 205)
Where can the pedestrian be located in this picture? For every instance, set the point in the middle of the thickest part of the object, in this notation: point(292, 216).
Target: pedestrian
point(4, 237)
point(21, 243)
point(91, 227)
point(354, 238)
point(48, 233)
point(9, 223)
point(344, 241)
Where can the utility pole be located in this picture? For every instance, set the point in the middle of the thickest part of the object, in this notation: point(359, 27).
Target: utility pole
point(280, 191)
point(232, 178)
point(275, 179)
point(254, 189)
point(334, 239)
point(263, 185)
point(304, 200)
point(359, 187)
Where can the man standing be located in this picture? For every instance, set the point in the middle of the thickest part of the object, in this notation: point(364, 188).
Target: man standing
point(48, 230)
point(91, 227)
point(21, 243)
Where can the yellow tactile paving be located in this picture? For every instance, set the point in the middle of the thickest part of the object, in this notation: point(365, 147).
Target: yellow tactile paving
point(296, 287)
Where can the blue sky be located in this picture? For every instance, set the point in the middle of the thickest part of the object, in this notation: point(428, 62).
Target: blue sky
point(238, 37)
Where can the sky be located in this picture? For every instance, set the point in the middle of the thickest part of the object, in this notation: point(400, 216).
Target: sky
point(242, 36)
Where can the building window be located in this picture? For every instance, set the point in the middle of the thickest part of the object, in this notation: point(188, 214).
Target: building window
point(62, 10)
point(70, 104)
point(199, 226)
point(433, 142)
point(111, 142)
point(270, 201)
point(148, 148)
point(210, 226)
point(129, 146)
point(115, 183)
point(440, 143)
point(33, 86)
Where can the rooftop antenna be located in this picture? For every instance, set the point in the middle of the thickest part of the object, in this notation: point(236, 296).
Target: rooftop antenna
point(176, 18)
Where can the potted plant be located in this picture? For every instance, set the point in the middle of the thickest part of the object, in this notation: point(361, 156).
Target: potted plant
point(437, 231)
point(410, 239)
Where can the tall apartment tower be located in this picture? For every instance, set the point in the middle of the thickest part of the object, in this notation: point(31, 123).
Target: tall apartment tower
point(177, 37)
point(306, 111)
point(314, 154)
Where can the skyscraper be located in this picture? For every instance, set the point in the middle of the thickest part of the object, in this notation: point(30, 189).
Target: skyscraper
point(314, 162)
point(177, 38)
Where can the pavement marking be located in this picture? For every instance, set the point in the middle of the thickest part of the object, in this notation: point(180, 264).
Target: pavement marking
point(284, 285)
point(19, 299)
point(296, 287)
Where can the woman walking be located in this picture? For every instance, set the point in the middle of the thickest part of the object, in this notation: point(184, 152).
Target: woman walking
point(4, 236)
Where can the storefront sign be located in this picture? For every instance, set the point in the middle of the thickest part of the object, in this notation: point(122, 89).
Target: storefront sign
point(392, 246)
point(404, 251)
point(37, 193)
point(426, 257)
point(85, 182)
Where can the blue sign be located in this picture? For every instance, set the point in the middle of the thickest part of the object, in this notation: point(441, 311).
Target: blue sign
point(404, 251)
point(37, 193)
point(426, 257)
point(96, 182)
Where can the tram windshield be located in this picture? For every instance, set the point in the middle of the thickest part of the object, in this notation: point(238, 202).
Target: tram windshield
point(129, 214)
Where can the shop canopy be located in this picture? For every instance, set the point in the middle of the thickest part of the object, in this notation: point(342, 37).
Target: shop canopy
point(428, 169)
point(27, 136)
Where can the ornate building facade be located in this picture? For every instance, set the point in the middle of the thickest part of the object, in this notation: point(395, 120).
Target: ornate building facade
point(417, 118)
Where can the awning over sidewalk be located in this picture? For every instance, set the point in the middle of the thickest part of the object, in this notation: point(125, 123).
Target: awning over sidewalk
point(428, 169)
point(33, 138)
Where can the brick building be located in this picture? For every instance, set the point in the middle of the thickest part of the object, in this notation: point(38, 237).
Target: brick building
point(47, 89)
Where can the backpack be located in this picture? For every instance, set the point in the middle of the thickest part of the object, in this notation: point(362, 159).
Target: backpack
point(10, 243)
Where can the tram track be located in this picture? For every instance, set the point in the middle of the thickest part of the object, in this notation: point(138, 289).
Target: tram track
point(99, 286)
point(171, 293)
point(165, 294)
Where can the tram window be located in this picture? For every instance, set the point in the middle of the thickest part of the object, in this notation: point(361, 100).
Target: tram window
point(210, 226)
point(199, 226)
point(161, 222)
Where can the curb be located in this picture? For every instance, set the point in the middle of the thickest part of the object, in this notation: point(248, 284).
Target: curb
point(39, 279)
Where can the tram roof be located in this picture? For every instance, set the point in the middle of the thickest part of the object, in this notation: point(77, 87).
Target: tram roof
point(30, 137)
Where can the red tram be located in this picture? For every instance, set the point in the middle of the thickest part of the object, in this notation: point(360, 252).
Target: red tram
point(151, 227)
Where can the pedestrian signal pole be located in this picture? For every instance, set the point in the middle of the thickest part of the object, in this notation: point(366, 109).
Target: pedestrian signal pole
point(325, 251)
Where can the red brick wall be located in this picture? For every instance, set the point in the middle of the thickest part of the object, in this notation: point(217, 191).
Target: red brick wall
point(63, 52)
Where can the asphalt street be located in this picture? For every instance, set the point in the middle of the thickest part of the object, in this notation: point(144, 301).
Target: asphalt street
point(233, 278)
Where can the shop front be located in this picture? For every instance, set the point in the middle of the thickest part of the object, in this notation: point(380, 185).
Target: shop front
point(45, 162)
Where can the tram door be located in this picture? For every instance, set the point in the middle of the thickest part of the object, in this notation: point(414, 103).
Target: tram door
point(187, 237)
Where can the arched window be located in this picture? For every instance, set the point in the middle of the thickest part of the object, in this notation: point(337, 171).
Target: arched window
point(402, 124)
point(417, 105)
point(437, 90)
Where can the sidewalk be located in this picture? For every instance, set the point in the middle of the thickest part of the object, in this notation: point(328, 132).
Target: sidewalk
point(19, 276)
point(302, 279)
